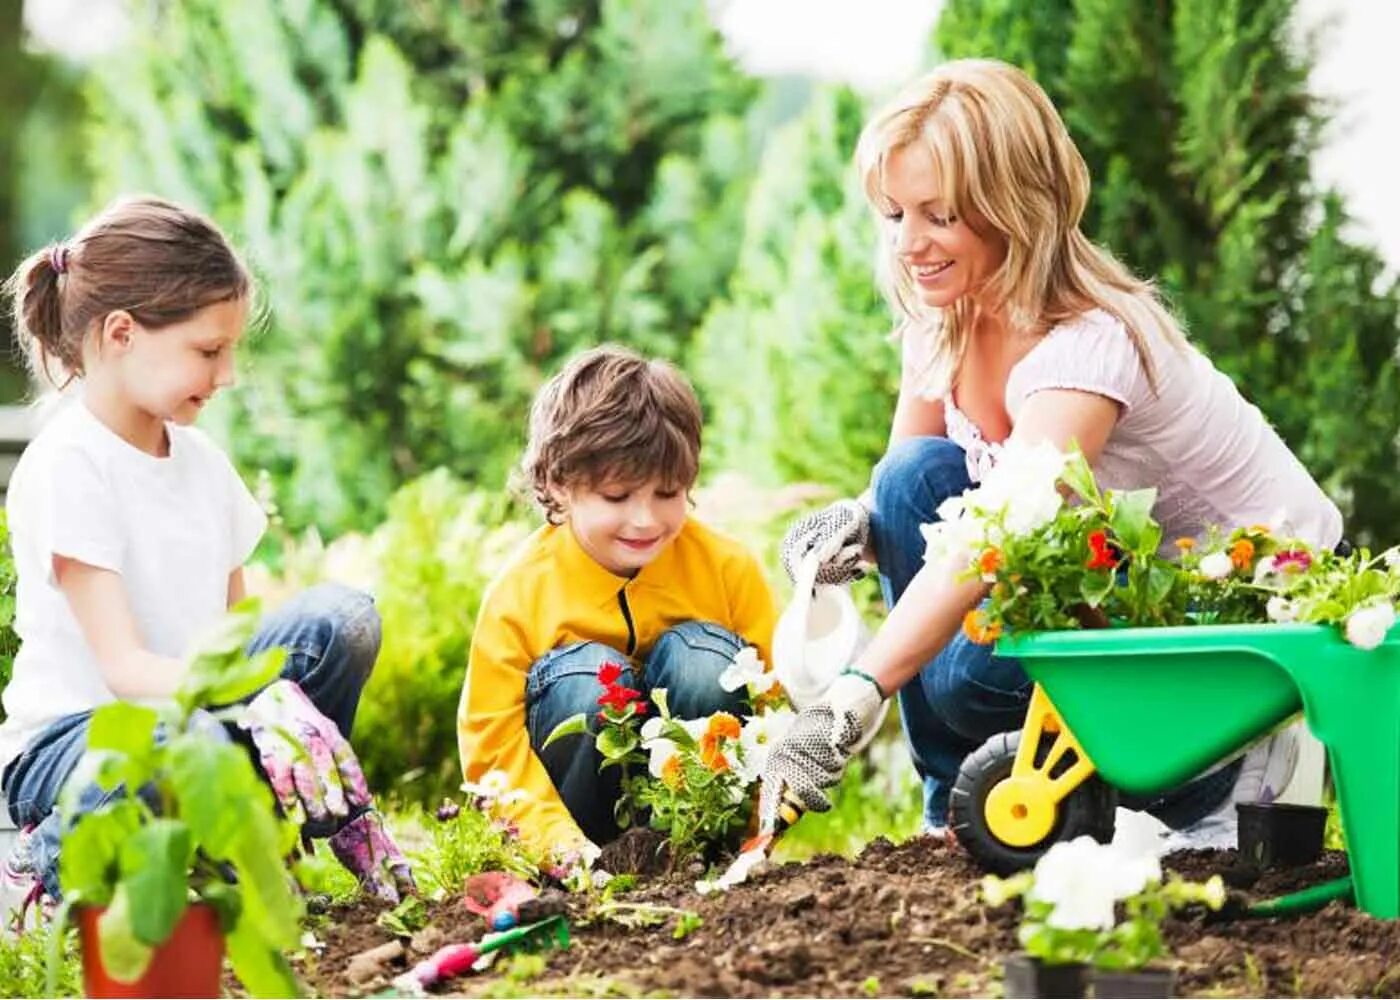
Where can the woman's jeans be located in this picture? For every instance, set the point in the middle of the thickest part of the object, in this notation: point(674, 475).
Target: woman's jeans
point(966, 695)
point(686, 661)
point(331, 634)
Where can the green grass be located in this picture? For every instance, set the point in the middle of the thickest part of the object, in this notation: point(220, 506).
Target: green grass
point(24, 958)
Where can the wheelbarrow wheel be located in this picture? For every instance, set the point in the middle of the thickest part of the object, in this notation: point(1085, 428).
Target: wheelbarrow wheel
point(1088, 809)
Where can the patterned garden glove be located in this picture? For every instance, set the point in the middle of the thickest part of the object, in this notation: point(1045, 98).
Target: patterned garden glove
point(813, 754)
point(367, 851)
point(840, 532)
point(313, 772)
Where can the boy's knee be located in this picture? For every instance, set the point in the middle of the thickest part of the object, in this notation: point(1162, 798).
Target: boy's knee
point(919, 471)
point(565, 682)
point(688, 660)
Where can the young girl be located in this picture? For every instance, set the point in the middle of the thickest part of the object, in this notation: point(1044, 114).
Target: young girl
point(1015, 325)
point(130, 529)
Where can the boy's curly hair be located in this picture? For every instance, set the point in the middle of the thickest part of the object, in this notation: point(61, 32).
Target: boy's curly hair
point(611, 415)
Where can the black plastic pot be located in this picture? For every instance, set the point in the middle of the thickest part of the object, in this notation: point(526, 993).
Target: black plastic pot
point(1131, 984)
point(1024, 976)
point(1280, 834)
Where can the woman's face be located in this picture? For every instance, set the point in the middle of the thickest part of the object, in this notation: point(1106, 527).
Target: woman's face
point(946, 258)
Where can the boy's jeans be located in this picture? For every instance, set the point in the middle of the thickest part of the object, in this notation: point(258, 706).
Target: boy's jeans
point(686, 660)
point(331, 634)
point(966, 695)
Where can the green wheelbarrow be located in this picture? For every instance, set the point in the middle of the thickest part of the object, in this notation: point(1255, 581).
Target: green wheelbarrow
point(1141, 710)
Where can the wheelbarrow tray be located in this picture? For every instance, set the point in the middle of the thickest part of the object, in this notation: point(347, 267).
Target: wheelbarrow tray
point(1155, 706)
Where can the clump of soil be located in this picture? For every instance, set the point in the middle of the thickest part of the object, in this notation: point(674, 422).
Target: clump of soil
point(896, 921)
point(638, 851)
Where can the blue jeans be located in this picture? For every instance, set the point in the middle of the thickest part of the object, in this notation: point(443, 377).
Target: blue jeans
point(966, 694)
point(686, 660)
point(331, 634)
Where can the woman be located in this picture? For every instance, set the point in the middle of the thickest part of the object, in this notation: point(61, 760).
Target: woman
point(1014, 326)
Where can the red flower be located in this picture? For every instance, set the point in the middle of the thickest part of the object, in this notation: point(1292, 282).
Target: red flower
point(1292, 561)
point(609, 673)
point(617, 696)
point(1103, 556)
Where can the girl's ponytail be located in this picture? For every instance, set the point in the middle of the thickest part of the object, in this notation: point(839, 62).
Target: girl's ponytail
point(37, 291)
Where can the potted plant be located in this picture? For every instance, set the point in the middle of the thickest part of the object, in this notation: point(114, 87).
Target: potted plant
point(161, 881)
point(1092, 921)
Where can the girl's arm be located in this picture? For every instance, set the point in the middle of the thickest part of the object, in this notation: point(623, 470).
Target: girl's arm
point(931, 609)
point(100, 604)
point(236, 588)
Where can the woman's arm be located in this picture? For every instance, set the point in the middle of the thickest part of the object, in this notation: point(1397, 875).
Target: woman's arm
point(916, 416)
point(100, 604)
point(932, 607)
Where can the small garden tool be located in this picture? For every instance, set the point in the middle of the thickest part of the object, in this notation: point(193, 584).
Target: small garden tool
point(455, 959)
point(497, 896)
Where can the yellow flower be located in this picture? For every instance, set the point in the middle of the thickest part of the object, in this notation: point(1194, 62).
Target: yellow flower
point(1185, 544)
point(672, 773)
point(723, 726)
point(978, 629)
point(1242, 553)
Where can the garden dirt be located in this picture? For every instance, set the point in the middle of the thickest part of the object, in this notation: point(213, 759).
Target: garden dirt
point(896, 921)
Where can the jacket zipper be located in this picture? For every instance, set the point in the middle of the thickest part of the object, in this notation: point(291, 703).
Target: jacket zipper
point(627, 617)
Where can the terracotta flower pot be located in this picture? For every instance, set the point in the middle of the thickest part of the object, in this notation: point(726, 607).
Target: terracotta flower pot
point(189, 964)
point(1024, 976)
point(1132, 984)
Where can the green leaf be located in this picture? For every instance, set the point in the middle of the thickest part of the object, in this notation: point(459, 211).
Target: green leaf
point(571, 726)
point(260, 967)
point(1080, 478)
point(1095, 587)
point(89, 865)
point(124, 956)
point(155, 870)
point(616, 742)
point(1160, 580)
point(1132, 513)
point(658, 698)
point(124, 728)
point(228, 682)
point(269, 905)
point(212, 780)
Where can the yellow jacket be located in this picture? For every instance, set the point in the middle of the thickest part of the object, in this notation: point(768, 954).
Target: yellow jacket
point(553, 593)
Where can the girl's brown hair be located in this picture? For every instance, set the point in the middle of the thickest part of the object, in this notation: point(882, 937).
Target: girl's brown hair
point(157, 261)
point(611, 414)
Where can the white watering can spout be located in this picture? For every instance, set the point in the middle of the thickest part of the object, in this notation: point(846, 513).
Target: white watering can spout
point(818, 635)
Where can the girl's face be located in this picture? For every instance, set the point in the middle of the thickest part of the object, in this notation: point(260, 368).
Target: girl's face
point(946, 258)
point(170, 373)
point(624, 526)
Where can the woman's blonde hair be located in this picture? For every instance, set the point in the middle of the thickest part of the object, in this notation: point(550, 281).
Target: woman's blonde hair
point(1003, 157)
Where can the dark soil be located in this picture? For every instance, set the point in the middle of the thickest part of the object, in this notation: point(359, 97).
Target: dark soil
point(897, 921)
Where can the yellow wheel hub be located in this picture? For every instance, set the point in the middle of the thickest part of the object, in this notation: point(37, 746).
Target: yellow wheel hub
point(1021, 809)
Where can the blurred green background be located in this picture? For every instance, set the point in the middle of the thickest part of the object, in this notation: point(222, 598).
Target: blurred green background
point(444, 199)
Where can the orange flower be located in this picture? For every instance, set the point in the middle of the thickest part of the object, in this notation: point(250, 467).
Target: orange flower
point(723, 726)
point(711, 755)
point(671, 772)
point(1185, 544)
point(1242, 553)
point(989, 562)
point(976, 627)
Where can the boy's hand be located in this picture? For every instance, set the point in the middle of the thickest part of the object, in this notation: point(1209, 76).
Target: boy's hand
point(313, 772)
point(813, 755)
point(367, 851)
point(839, 532)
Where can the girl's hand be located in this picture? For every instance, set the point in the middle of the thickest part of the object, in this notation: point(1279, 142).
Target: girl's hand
point(367, 851)
point(313, 772)
point(839, 532)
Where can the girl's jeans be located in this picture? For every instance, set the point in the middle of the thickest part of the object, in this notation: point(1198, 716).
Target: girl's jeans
point(331, 634)
point(686, 660)
point(966, 695)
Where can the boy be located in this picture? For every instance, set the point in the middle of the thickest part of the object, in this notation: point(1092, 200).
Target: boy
point(619, 573)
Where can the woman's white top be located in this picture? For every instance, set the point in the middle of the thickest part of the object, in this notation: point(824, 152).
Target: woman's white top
point(1212, 456)
point(175, 528)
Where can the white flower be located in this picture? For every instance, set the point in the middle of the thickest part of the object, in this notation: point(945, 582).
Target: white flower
point(494, 789)
point(1366, 627)
point(747, 669)
point(1217, 566)
point(1391, 557)
point(661, 749)
point(1280, 609)
point(1083, 879)
point(1264, 569)
point(756, 739)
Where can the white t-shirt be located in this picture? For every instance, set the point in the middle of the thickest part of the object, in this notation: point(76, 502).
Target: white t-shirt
point(1210, 453)
point(173, 527)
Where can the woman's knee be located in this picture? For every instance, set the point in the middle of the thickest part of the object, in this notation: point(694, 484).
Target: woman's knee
point(919, 473)
point(979, 696)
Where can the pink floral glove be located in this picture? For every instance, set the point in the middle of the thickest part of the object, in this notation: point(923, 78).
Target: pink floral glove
point(314, 773)
point(366, 850)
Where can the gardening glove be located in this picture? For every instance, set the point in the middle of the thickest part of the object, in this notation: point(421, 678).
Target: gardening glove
point(367, 851)
point(839, 532)
point(313, 772)
point(813, 754)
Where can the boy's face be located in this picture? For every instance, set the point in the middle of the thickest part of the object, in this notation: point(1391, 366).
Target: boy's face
point(624, 526)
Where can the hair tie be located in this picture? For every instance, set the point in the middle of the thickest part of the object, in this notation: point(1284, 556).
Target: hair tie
point(58, 258)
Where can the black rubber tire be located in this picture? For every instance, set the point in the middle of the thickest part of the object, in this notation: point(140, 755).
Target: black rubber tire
point(1086, 810)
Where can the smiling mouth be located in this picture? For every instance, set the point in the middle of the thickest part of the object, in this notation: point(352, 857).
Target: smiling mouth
point(639, 543)
point(924, 271)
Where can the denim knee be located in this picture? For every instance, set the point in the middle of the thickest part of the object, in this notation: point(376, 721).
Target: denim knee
point(984, 698)
point(333, 624)
point(919, 473)
point(687, 660)
point(564, 682)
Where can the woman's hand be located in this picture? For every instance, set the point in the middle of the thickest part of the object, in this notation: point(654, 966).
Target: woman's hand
point(813, 755)
point(839, 533)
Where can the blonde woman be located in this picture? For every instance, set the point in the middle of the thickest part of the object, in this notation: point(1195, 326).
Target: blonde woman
point(1015, 326)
